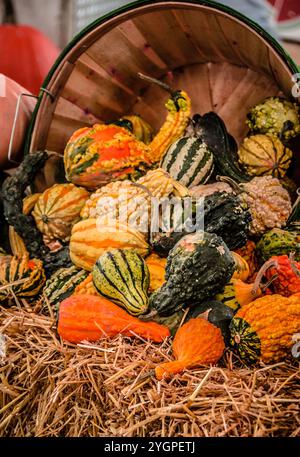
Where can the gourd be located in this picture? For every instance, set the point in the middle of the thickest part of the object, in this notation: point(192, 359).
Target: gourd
point(86, 287)
point(269, 203)
point(224, 214)
point(89, 240)
point(237, 293)
point(211, 129)
point(160, 184)
point(189, 161)
point(137, 126)
point(122, 276)
point(16, 242)
point(248, 253)
point(264, 155)
point(278, 242)
point(276, 116)
point(179, 109)
point(120, 201)
point(12, 196)
point(264, 328)
point(95, 156)
point(86, 317)
point(286, 273)
point(227, 216)
point(197, 342)
point(58, 209)
point(157, 269)
point(62, 284)
point(242, 270)
point(204, 190)
point(198, 267)
point(214, 312)
point(20, 276)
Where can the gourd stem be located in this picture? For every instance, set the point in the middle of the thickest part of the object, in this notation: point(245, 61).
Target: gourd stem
point(149, 79)
point(293, 264)
point(149, 316)
point(270, 263)
point(9, 13)
point(236, 187)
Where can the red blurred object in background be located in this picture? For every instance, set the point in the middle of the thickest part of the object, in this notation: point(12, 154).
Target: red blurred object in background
point(9, 94)
point(26, 54)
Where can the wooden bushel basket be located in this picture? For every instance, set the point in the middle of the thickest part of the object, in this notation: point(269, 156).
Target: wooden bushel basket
point(225, 62)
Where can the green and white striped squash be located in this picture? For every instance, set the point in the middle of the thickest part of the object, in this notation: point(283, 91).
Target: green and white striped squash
point(188, 161)
point(62, 284)
point(122, 276)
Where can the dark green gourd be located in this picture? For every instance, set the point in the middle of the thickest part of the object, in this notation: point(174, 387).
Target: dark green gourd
point(224, 214)
point(278, 242)
point(212, 130)
point(198, 267)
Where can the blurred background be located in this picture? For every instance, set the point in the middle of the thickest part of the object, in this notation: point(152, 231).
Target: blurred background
point(60, 20)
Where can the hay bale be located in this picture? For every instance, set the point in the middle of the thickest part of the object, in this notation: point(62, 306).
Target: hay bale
point(52, 388)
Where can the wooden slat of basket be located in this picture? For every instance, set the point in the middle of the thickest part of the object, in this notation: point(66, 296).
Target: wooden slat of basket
point(163, 33)
point(137, 39)
point(206, 32)
point(120, 59)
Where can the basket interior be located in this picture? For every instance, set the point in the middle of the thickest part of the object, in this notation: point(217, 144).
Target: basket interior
point(221, 62)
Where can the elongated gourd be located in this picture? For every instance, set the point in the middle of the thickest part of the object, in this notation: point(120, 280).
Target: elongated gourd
point(86, 317)
point(16, 242)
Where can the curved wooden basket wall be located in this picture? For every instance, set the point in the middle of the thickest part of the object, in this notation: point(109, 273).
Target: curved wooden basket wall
point(225, 63)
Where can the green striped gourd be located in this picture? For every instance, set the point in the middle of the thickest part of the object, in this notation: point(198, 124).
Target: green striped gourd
point(122, 276)
point(62, 284)
point(188, 161)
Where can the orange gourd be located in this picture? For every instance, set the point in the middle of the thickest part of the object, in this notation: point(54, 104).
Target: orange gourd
point(198, 342)
point(87, 317)
point(248, 254)
point(157, 270)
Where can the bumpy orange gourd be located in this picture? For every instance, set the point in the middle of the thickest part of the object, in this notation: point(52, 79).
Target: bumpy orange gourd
point(86, 317)
point(160, 184)
point(89, 240)
point(265, 328)
point(198, 342)
point(95, 156)
point(86, 287)
point(288, 275)
point(157, 270)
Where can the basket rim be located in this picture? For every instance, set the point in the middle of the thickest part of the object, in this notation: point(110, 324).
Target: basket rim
point(284, 55)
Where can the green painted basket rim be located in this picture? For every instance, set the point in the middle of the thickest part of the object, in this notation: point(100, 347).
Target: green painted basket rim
point(131, 6)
